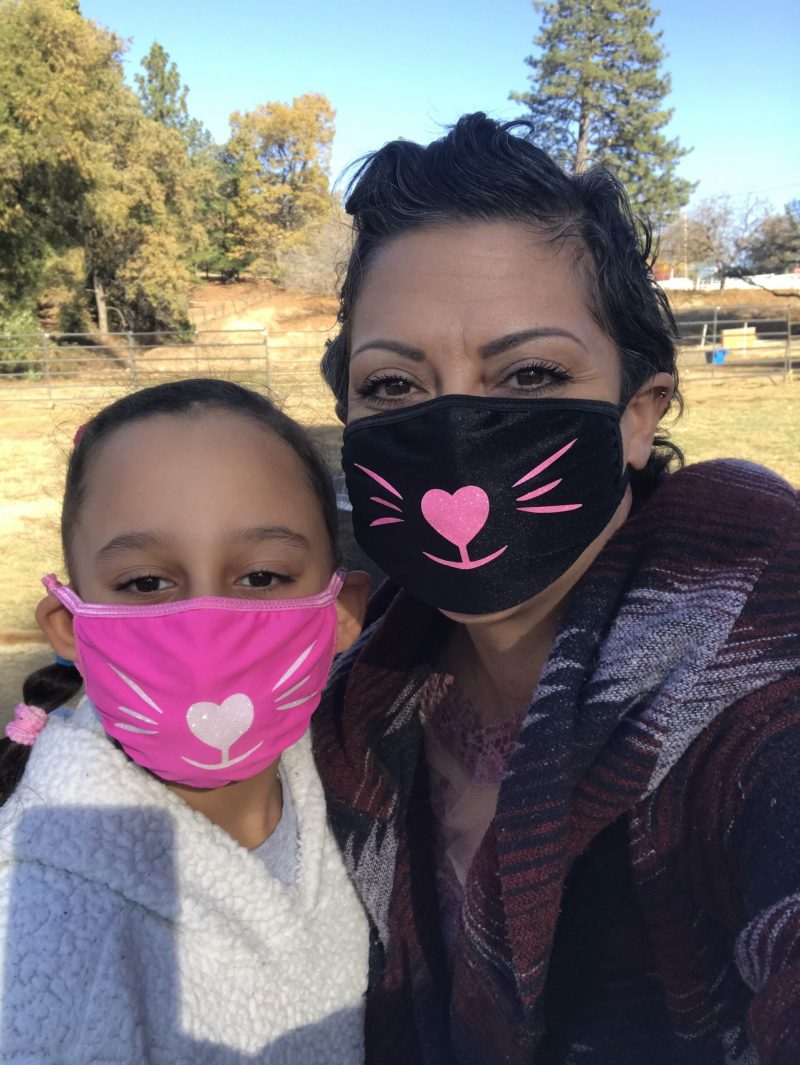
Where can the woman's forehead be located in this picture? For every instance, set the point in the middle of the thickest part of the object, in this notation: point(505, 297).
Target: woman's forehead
point(495, 275)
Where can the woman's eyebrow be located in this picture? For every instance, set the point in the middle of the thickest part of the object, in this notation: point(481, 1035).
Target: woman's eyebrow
point(511, 340)
point(391, 345)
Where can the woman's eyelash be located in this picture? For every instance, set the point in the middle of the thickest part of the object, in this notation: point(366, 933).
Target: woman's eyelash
point(556, 373)
point(370, 386)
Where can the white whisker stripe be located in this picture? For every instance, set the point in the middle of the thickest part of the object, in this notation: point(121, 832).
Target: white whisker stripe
point(133, 728)
point(135, 687)
point(137, 715)
point(297, 702)
point(295, 665)
point(293, 688)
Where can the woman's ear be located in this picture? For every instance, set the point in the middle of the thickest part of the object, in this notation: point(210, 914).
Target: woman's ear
point(55, 621)
point(641, 416)
point(351, 608)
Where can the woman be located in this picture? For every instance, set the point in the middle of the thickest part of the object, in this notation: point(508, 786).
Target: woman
point(562, 761)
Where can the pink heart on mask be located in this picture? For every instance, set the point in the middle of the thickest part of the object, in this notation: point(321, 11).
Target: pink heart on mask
point(458, 517)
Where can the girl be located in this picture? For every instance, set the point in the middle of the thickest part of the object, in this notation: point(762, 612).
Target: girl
point(171, 892)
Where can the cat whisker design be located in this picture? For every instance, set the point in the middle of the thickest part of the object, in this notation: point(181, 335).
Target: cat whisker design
point(543, 465)
point(124, 726)
point(540, 491)
point(545, 488)
point(386, 503)
point(137, 715)
point(280, 704)
point(293, 668)
point(380, 480)
point(135, 688)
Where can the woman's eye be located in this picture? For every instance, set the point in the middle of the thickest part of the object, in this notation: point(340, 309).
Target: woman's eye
point(537, 376)
point(385, 388)
point(148, 584)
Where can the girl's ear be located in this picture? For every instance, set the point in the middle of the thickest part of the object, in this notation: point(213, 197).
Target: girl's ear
point(351, 608)
point(55, 621)
point(642, 415)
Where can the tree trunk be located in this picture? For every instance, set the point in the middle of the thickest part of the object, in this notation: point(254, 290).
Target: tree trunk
point(100, 302)
point(582, 146)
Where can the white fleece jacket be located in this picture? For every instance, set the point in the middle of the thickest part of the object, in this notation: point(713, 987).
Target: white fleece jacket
point(133, 930)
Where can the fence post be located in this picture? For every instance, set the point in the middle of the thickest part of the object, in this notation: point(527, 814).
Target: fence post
point(132, 359)
point(265, 335)
point(787, 362)
point(46, 361)
point(714, 329)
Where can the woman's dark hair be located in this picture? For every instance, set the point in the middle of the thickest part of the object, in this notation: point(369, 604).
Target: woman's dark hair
point(484, 171)
point(54, 685)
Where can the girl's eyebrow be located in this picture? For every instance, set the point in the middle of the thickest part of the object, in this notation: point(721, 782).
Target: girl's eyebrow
point(262, 533)
point(493, 347)
point(130, 541)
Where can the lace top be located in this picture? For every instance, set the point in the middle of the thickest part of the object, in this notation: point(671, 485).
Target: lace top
point(466, 762)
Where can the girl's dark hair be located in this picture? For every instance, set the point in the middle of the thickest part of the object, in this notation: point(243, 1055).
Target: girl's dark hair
point(485, 171)
point(54, 685)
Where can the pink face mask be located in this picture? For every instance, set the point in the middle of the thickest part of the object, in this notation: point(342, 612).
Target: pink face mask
point(205, 691)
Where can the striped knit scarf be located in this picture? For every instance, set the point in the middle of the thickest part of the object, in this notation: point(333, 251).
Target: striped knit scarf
point(663, 634)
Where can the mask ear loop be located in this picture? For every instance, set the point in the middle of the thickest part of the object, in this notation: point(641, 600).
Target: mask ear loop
point(63, 594)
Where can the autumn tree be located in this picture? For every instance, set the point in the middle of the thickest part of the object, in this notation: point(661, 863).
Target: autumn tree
point(597, 96)
point(276, 180)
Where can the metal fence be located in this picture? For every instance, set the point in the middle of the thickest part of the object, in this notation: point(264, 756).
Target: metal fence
point(736, 347)
point(78, 368)
point(81, 368)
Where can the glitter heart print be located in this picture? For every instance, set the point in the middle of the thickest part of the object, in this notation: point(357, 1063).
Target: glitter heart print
point(206, 691)
point(475, 505)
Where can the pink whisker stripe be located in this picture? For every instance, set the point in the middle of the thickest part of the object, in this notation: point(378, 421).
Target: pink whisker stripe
point(386, 521)
point(540, 491)
point(377, 477)
point(545, 464)
point(551, 510)
point(385, 502)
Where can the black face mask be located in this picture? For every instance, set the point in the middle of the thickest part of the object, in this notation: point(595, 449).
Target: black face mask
point(475, 505)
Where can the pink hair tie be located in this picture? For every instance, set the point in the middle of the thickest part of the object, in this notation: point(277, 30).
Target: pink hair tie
point(27, 724)
point(78, 435)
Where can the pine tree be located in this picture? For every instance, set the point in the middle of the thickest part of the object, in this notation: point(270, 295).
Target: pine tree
point(96, 195)
point(597, 96)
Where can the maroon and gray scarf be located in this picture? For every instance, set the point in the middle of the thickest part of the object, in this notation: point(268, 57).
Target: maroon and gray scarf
point(691, 609)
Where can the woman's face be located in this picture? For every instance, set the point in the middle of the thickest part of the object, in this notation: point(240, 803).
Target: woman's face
point(490, 310)
point(483, 309)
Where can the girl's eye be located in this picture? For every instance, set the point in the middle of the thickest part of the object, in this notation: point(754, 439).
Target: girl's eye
point(385, 388)
point(537, 377)
point(263, 578)
point(148, 584)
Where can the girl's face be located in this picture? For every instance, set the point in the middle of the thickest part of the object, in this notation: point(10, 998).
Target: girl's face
point(179, 507)
point(485, 309)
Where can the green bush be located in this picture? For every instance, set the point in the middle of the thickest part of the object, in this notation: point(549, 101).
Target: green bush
point(20, 342)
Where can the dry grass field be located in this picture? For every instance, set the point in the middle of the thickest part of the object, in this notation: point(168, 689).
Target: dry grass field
point(754, 418)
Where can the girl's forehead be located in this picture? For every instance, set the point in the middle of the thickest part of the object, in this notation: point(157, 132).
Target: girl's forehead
point(212, 463)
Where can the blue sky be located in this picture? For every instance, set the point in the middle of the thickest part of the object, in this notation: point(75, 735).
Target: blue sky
point(407, 69)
